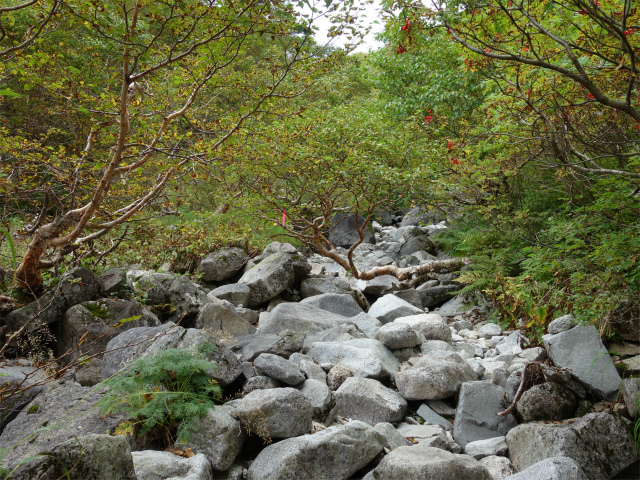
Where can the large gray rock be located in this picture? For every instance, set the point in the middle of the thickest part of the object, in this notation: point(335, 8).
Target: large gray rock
point(77, 286)
point(420, 216)
point(381, 285)
point(16, 393)
point(318, 394)
point(86, 457)
point(484, 448)
point(344, 231)
point(300, 318)
point(435, 377)
point(248, 347)
point(562, 324)
point(269, 278)
point(430, 417)
point(308, 367)
point(332, 454)
point(548, 401)
point(431, 325)
point(416, 244)
point(427, 463)
point(424, 435)
point(600, 443)
point(102, 320)
point(386, 309)
point(222, 264)
point(489, 330)
point(499, 467)
point(477, 413)
point(394, 438)
point(278, 368)
point(631, 395)
point(219, 437)
point(365, 357)
point(146, 341)
point(274, 413)
point(320, 285)
point(430, 297)
point(369, 401)
point(236, 293)
point(554, 468)
point(221, 316)
point(339, 303)
point(581, 350)
point(61, 413)
point(114, 281)
point(154, 465)
point(396, 336)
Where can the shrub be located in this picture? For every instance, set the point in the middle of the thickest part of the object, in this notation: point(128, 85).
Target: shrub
point(165, 393)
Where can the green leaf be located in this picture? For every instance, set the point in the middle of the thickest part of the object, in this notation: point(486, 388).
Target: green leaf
point(7, 92)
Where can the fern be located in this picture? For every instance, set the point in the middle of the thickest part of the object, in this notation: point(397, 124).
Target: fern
point(171, 389)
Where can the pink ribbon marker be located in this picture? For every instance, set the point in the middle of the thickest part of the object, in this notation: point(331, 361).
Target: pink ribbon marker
point(284, 216)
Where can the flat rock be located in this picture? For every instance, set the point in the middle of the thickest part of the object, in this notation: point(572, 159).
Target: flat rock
point(484, 448)
point(339, 303)
point(278, 368)
point(554, 468)
point(477, 413)
point(396, 336)
point(427, 463)
point(581, 350)
point(365, 357)
point(394, 438)
point(319, 285)
point(335, 453)
point(299, 317)
point(236, 293)
point(432, 418)
point(154, 465)
point(386, 309)
point(217, 316)
point(601, 444)
point(431, 325)
point(424, 435)
point(489, 330)
point(369, 401)
point(248, 347)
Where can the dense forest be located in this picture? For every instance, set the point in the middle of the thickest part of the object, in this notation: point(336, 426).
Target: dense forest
point(146, 132)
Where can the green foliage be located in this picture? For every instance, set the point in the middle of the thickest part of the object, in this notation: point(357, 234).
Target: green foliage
point(167, 391)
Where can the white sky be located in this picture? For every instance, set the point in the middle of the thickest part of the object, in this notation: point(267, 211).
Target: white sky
point(368, 16)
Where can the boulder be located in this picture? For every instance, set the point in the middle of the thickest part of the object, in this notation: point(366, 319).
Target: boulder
point(394, 438)
point(484, 448)
point(562, 324)
point(222, 264)
point(420, 216)
point(363, 356)
point(427, 463)
point(381, 285)
point(309, 368)
point(554, 468)
point(344, 230)
point(218, 437)
point(321, 285)
point(369, 401)
point(248, 347)
point(86, 457)
point(386, 309)
point(424, 435)
point(274, 413)
point(435, 377)
point(114, 281)
point(477, 413)
point(17, 392)
point(269, 278)
point(335, 453)
point(154, 465)
point(410, 295)
point(259, 383)
point(430, 297)
point(489, 330)
point(631, 395)
point(236, 293)
point(63, 412)
point(430, 417)
point(338, 303)
point(548, 401)
point(220, 315)
point(499, 467)
point(581, 350)
point(367, 324)
point(337, 376)
point(318, 394)
point(431, 325)
point(601, 444)
point(278, 368)
point(300, 318)
point(396, 336)
point(416, 244)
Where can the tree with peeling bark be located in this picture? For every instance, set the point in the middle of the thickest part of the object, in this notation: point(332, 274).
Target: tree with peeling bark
point(157, 91)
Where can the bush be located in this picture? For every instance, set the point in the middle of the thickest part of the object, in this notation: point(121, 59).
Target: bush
point(164, 394)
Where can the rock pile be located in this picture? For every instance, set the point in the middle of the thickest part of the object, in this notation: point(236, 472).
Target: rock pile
point(333, 378)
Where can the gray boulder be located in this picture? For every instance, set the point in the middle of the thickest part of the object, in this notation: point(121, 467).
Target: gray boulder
point(309, 368)
point(631, 395)
point(420, 216)
point(601, 444)
point(548, 401)
point(154, 465)
point(499, 467)
point(394, 438)
point(381, 285)
point(269, 278)
point(337, 376)
point(60, 414)
point(424, 435)
point(339, 303)
point(416, 244)
point(581, 350)
point(218, 437)
point(562, 324)
point(554, 468)
point(248, 347)
point(114, 281)
point(430, 297)
point(427, 463)
point(318, 394)
point(236, 293)
point(332, 454)
point(222, 264)
point(396, 336)
point(435, 377)
point(477, 413)
point(410, 295)
point(344, 231)
point(365, 357)
point(274, 413)
point(221, 316)
point(320, 285)
point(386, 309)
point(430, 417)
point(367, 324)
point(259, 382)
point(489, 330)
point(17, 392)
point(300, 318)
point(484, 448)
point(431, 325)
point(86, 457)
point(279, 369)
point(369, 401)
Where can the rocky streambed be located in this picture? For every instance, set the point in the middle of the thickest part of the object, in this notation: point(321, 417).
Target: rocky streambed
point(324, 376)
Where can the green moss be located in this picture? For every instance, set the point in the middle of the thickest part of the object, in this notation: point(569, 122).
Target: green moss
point(97, 309)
